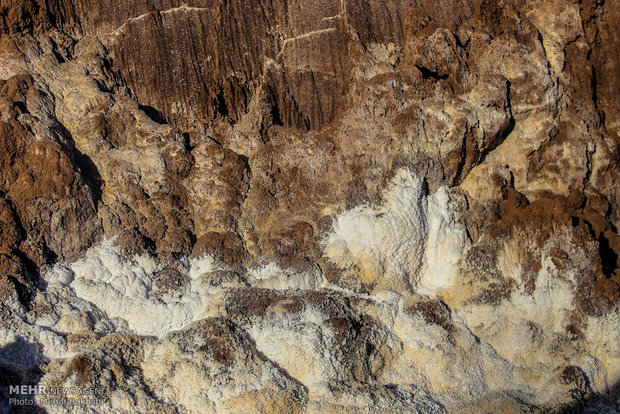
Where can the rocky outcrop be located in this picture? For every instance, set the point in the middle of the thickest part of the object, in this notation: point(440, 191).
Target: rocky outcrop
point(219, 55)
point(215, 206)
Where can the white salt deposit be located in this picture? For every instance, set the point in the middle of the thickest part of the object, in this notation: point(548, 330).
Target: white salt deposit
point(200, 266)
point(272, 276)
point(445, 244)
point(122, 288)
point(410, 241)
point(299, 343)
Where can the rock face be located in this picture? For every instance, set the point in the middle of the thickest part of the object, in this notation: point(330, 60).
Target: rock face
point(311, 206)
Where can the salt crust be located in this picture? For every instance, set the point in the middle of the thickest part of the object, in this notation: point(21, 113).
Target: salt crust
point(411, 241)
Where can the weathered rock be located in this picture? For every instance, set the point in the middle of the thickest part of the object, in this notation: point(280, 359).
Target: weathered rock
point(337, 206)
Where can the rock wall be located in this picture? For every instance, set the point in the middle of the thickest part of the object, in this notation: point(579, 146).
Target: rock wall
point(337, 206)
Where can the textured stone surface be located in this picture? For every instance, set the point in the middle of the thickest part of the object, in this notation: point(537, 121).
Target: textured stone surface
point(311, 206)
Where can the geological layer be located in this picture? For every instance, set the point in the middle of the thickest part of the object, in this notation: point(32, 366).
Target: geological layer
point(341, 206)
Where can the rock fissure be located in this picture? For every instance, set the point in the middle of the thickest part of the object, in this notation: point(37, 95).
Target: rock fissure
point(311, 207)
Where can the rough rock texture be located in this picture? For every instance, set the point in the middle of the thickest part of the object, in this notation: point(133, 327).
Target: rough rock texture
point(311, 206)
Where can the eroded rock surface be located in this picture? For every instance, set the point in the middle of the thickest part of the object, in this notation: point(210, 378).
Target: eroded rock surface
point(311, 206)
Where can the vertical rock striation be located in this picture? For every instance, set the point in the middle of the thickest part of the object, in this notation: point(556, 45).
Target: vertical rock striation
point(311, 206)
